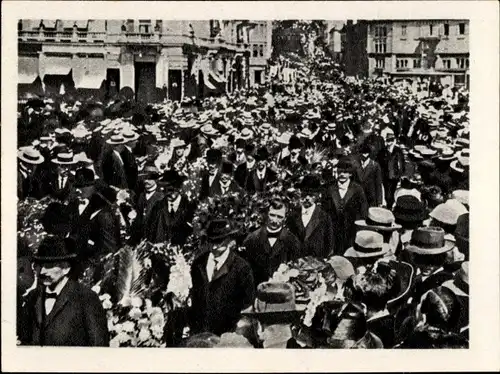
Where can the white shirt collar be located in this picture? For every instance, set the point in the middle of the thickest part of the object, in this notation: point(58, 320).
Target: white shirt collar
point(365, 163)
point(59, 287)
point(309, 211)
point(220, 260)
point(250, 164)
point(261, 173)
point(175, 203)
point(82, 206)
point(150, 193)
point(345, 185)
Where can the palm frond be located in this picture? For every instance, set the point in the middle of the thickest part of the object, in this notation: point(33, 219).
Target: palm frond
point(129, 270)
point(319, 154)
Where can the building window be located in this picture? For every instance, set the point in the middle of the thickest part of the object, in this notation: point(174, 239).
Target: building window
point(380, 63)
point(381, 46)
point(255, 51)
point(446, 64)
point(461, 63)
point(417, 63)
point(461, 28)
point(258, 76)
point(466, 63)
point(380, 32)
point(431, 29)
point(380, 39)
point(446, 29)
point(401, 63)
point(261, 50)
point(403, 30)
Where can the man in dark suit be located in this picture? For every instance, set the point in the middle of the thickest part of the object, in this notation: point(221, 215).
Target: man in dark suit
point(129, 161)
point(211, 179)
point(113, 165)
point(223, 284)
point(244, 169)
point(61, 180)
point(146, 201)
point(392, 164)
point(60, 311)
point(295, 158)
point(170, 218)
point(271, 245)
point(238, 157)
point(226, 184)
point(28, 184)
point(260, 178)
point(370, 177)
point(310, 223)
point(345, 202)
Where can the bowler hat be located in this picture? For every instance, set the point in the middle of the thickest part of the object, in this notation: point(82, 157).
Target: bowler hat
point(171, 180)
point(214, 156)
point(53, 249)
point(227, 168)
point(56, 219)
point(310, 184)
point(429, 241)
point(345, 165)
point(262, 154)
point(106, 193)
point(274, 303)
point(84, 178)
point(220, 229)
point(295, 143)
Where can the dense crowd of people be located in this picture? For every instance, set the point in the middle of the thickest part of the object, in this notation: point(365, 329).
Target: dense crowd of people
point(370, 176)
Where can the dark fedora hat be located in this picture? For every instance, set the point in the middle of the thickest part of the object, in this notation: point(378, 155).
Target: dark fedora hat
point(462, 233)
point(310, 184)
point(106, 193)
point(409, 209)
point(345, 164)
point(429, 241)
point(295, 143)
point(56, 219)
point(220, 229)
point(149, 172)
point(53, 249)
point(227, 168)
point(275, 303)
point(171, 180)
point(262, 154)
point(84, 178)
point(214, 156)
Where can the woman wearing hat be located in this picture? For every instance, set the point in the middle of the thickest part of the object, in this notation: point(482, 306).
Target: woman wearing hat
point(61, 311)
point(223, 284)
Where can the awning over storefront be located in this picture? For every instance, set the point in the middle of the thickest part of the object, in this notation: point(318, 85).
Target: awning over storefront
point(89, 72)
point(54, 65)
point(27, 69)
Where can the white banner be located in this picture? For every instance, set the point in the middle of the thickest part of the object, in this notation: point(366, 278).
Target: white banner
point(27, 69)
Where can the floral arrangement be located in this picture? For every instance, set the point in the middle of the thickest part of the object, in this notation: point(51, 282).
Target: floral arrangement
point(29, 226)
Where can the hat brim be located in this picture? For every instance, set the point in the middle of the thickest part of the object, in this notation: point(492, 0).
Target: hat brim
point(67, 257)
point(28, 161)
point(448, 246)
point(73, 162)
point(287, 315)
point(454, 166)
point(363, 224)
point(128, 140)
point(351, 252)
point(219, 238)
point(109, 141)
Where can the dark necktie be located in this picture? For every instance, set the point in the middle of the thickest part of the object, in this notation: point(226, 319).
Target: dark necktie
point(50, 295)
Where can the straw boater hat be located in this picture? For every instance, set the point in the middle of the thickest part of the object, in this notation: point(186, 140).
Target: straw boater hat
point(176, 143)
point(448, 212)
point(368, 244)
point(65, 158)
point(284, 138)
point(30, 155)
point(275, 303)
point(130, 135)
point(460, 165)
point(429, 241)
point(379, 219)
point(209, 130)
point(461, 196)
point(331, 126)
point(305, 133)
point(246, 134)
point(116, 139)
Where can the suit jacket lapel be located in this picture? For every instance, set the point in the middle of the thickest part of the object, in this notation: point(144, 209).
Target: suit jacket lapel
point(264, 240)
point(336, 197)
point(61, 301)
point(39, 307)
point(349, 193)
point(313, 223)
point(225, 267)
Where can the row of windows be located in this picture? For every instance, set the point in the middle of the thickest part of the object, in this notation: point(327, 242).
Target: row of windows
point(404, 63)
point(433, 29)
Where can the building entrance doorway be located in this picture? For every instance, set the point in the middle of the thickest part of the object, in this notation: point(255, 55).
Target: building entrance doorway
point(145, 79)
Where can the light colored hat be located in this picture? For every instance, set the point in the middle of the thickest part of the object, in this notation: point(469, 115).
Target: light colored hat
point(209, 130)
point(379, 219)
point(176, 143)
point(82, 157)
point(368, 244)
point(116, 139)
point(460, 165)
point(30, 155)
point(305, 133)
point(80, 132)
point(265, 126)
point(448, 212)
point(246, 134)
point(342, 267)
point(461, 195)
point(284, 138)
point(61, 130)
point(64, 158)
point(130, 135)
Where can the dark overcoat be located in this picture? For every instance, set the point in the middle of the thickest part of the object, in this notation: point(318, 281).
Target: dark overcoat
point(370, 179)
point(217, 305)
point(77, 319)
point(113, 171)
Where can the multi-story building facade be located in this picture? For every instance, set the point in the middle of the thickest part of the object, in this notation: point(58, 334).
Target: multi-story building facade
point(156, 59)
point(260, 50)
point(335, 38)
point(436, 49)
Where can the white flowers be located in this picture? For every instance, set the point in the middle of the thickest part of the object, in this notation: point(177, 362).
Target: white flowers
point(180, 282)
point(318, 296)
point(284, 273)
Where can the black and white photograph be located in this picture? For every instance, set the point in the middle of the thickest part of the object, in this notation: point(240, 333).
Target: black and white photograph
point(244, 183)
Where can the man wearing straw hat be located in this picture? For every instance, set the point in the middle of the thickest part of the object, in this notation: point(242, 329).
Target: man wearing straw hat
point(113, 166)
point(27, 183)
point(60, 182)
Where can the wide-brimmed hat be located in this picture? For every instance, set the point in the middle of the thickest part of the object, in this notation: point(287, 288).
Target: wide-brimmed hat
point(331, 126)
point(274, 302)
point(461, 196)
point(367, 244)
point(346, 165)
point(130, 135)
point(53, 249)
point(65, 158)
point(448, 212)
point(30, 155)
point(209, 130)
point(379, 219)
point(460, 165)
point(149, 172)
point(429, 241)
point(116, 139)
point(266, 126)
point(80, 132)
point(177, 143)
point(305, 133)
point(246, 134)
point(309, 184)
point(284, 138)
point(219, 229)
point(416, 154)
